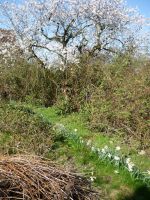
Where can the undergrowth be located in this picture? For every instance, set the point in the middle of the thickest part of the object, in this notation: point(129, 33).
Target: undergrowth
point(21, 131)
point(114, 96)
point(23, 121)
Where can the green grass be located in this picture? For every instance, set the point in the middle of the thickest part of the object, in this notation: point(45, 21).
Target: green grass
point(114, 184)
point(76, 121)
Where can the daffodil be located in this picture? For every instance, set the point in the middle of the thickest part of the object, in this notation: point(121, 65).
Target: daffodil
point(103, 150)
point(105, 147)
point(130, 166)
point(109, 155)
point(128, 160)
point(142, 152)
point(118, 148)
point(116, 158)
point(88, 143)
point(93, 148)
point(148, 172)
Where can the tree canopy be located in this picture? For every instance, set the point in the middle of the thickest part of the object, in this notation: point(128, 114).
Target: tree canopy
point(64, 29)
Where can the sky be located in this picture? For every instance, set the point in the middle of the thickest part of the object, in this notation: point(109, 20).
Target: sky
point(143, 6)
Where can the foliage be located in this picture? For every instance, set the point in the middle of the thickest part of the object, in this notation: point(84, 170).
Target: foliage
point(105, 154)
point(114, 96)
point(121, 103)
point(28, 82)
point(79, 82)
point(22, 131)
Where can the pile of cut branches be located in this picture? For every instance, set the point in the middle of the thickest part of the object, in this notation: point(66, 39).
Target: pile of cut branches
point(26, 177)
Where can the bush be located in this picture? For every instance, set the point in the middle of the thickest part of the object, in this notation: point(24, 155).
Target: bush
point(22, 131)
point(69, 89)
point(121, 103)
point(78, 83)
point(28, 82)
point(114, 94)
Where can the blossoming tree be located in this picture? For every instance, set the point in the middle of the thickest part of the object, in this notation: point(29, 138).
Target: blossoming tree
point(64, 29)
point(9, 48)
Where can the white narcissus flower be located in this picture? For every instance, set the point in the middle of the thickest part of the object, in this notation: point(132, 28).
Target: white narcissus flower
point(81, 141)
point(128, 160)
point(75, 130)
point(130, 167)
point(103, 150)
point(92, 178)
point(148, 172)
point(105, 147)
point(109, 155)
point(116, 172)
point(93, 148)
point(118, 148)
point(142, 152)
point(117, 158)
point(98, 150)
point(88, 142)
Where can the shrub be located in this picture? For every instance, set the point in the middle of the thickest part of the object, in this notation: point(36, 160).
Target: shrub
point(121, 103)
point(29, 82)
point(22, 131)
point(78, 83)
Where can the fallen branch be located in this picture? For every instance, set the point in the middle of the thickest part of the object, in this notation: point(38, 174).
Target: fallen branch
point(33, 178)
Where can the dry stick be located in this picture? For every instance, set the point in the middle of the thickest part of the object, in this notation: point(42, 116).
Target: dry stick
point(32, 178)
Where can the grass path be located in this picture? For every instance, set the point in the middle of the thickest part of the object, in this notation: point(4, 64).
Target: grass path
point(116, 185)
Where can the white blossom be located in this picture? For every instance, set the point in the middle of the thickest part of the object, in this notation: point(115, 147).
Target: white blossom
point(142, 152)
point(118, 148)
point(92, 178)
point(109, 155)
point(117, 158)
point(106, 147)
point(130, 167)
point(103, 150)
point(98, 149)
point(148, 172)
point(93, 149)
point(128, 160)
point(88, 142)
point(50, 30)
